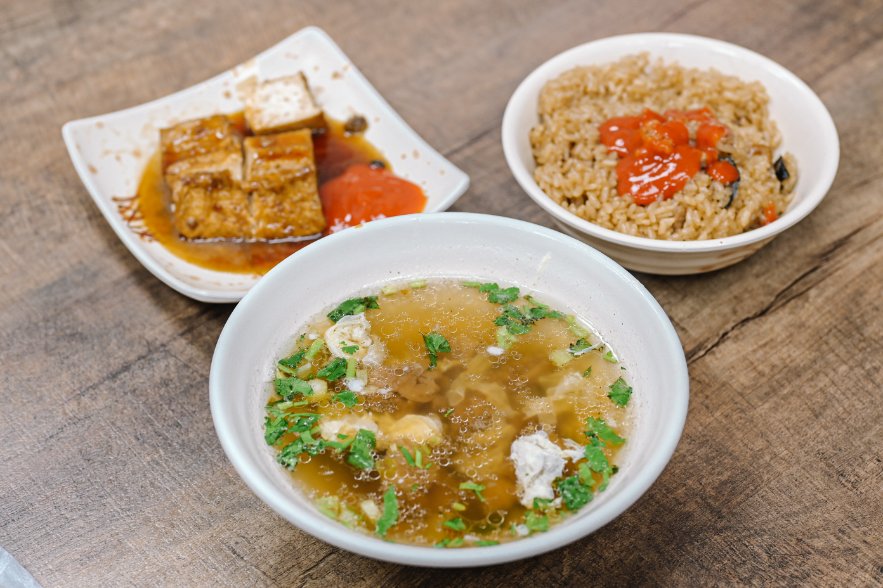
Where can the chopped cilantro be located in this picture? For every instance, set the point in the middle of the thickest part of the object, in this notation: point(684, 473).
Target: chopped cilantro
point(288, 387)
point(435, 344)
point(486, 543)
point(503, 295)
point(538, 310)
point(349, 349)
point(351, 364)
point(390, 514)
point(585, 475)
point(353, 306)
point(588, 372)
point(304, 421)
point(456, 524)
point(333, 371)
point(290, 364)
point(477, 488)
point(362, 450)
point(605, 478)
point(620, 392)
point(289, 457)
point(278, 423)
point(596, 459)
point(599, 429)
point(274, 428)
point(580, 346)
point(542, 504)
point(536, 522)
point(448, 413)
point(347, 397)
point(495, 294)
point(609, 357)
point(515, 321)
point(574, 493)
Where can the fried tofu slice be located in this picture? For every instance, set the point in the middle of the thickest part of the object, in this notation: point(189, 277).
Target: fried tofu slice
point(280, 176)
point(282, 104)
point(201, 145)
point(202, 165)
point(211, 205)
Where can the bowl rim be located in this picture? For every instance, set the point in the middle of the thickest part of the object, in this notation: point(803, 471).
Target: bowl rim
point(648, 41)
point(320, 527)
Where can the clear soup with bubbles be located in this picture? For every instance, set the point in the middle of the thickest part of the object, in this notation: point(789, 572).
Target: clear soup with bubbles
point(448, 413)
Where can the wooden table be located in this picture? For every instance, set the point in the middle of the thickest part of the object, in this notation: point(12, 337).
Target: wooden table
point(110, 470)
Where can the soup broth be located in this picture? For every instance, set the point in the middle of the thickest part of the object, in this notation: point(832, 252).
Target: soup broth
point(448, 413)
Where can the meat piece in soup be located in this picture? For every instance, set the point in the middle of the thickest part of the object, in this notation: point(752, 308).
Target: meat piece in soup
point(448, 414)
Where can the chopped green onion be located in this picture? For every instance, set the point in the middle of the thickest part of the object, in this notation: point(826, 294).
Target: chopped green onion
point(536, 522)
point(477, 488)
point(560, 357)
point(407, 454)
point(390, 514)
point(315, 347)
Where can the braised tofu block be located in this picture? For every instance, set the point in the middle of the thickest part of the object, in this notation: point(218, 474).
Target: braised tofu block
point(282, 104)
point(201, 145)
point(202, 165)
point(280, 176)
point(211, 205)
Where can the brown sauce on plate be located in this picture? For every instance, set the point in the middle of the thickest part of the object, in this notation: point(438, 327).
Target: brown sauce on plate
point(335, 151)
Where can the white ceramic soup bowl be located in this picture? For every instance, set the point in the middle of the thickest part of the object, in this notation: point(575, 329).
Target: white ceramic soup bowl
point(807, 131)
point(562, 271)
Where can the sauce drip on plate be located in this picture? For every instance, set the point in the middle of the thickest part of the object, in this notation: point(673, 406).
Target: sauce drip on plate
point(658, 156)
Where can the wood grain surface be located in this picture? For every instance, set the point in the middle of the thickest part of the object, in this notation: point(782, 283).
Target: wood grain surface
point(110, 470)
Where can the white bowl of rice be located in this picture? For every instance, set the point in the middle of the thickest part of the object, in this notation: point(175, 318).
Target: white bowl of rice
point(779, 137)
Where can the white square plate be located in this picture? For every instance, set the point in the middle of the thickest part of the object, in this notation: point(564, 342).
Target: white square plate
point(110, 151)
